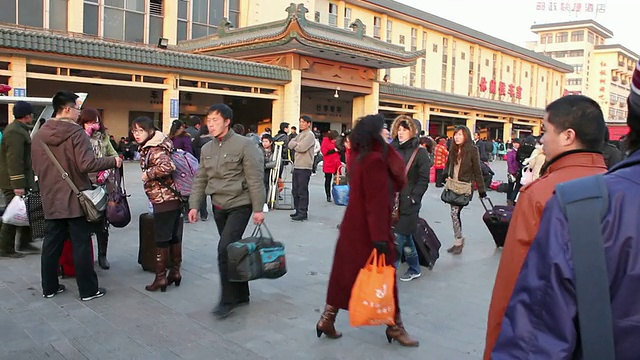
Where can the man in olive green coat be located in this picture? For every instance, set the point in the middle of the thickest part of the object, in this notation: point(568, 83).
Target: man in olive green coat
point(16, 176)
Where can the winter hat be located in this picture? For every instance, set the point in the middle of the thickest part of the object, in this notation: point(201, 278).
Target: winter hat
point(22, 109)
point(633, 116)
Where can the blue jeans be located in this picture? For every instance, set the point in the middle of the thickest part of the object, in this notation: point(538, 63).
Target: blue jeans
point(405, 244)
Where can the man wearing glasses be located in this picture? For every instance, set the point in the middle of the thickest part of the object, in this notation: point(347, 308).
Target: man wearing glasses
point(16, 177)
point(64, 217)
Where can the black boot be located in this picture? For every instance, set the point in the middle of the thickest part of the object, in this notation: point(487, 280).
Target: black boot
point(103, 241)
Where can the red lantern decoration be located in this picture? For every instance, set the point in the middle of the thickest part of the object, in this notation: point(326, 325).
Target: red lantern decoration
point(4, 89)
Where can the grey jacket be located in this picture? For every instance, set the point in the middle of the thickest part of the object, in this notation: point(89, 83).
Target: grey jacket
point(232, 171)
point(303, 145)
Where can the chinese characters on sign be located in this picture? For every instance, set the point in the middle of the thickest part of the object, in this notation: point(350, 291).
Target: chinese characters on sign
point(20, 92)
point(329, 110)
point(514, 92)
point(602, 92)
point(571, 7)
point(174, 108)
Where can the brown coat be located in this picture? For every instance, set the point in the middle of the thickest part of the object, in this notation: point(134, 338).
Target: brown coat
point(469, 168)
point(524, 227)
point(70, 145)
point(155, 160)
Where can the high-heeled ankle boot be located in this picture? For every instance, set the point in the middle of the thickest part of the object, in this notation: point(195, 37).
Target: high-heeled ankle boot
point(326, 323)
point(103, 241)
point(176, 260)
point(399, 334)
point(160, 282)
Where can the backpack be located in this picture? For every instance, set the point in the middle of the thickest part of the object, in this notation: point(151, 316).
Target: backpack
point(186, 169)
point(501, 147)
point(526, 149)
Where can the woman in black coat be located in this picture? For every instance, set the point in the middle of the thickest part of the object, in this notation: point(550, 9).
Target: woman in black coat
point(406, 140)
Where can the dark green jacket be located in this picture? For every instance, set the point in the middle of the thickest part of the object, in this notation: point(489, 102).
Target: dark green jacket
point(15, 158)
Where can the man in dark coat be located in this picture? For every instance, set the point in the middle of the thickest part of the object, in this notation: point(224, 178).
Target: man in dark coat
point(16, 177)
point(417, 165)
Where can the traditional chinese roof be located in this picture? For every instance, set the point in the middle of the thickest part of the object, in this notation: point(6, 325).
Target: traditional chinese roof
point(298, 35)
point(591, 24)
point(430, 21)
point(15, 38)
point(410, 92)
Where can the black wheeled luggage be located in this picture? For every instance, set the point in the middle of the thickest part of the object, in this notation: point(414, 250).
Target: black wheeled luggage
point(147, 249)
point(497, 219)
point(427, 244)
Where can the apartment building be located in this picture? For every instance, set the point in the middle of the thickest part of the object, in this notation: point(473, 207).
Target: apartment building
point(601, 71)
point(273, 61)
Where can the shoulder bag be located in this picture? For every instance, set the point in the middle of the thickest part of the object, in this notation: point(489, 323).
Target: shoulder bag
point(456, 192)
point(118, 212)
point(93, 202)
point(395, 214)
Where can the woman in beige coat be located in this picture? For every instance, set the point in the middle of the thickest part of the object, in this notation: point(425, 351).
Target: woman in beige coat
point(533, 164)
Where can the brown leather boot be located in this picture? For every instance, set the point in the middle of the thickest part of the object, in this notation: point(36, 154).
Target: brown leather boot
point(326, 323)
point(399, 334)
point(160, 282)
point(174, 269)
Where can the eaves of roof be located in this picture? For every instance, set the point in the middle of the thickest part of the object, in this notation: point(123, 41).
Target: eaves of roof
point(601, 30)
point(74, 45)
point(617, 47)
point(462, 31)
point(402, 91)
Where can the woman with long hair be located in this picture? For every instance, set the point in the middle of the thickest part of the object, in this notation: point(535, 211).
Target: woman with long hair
point(156, 164)
point(463, 165)
point(90, 120)
point(330, 160)
point(179, 136)
point(376, 174)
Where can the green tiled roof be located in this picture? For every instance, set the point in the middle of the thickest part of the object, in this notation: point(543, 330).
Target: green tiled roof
point(458, 100)
point(62, 44)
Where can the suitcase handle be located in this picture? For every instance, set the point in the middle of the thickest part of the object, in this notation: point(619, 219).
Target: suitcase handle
point(482, 200)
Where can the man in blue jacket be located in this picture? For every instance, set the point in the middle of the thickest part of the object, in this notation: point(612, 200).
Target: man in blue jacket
point(541, 321)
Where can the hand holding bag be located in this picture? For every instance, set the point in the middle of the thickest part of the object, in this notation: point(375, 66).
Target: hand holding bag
point(118, 212)
point(93, 202)
point(372, 302)
point(16, 213)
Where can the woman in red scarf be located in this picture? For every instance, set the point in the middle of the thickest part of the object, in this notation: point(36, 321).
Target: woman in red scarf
point(376, 173)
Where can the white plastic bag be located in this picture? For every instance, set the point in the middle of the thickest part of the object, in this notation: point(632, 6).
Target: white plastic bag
point(16, 212)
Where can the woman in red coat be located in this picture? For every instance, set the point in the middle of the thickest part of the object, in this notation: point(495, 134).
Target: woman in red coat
point(375, 171)
point(330, 160)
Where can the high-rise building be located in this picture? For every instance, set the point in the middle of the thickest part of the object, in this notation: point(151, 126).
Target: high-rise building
point(272, 61)
point(601, 71)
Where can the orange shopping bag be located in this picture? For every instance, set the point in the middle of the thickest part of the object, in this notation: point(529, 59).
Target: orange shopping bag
point(372, 301)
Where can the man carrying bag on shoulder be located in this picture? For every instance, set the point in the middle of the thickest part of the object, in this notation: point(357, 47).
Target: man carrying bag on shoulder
point(63, 212)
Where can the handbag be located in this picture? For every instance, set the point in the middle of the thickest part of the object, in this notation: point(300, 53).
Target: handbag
point(35, 211)
point(256, 257)
point(16, 213)
point(395, 213)
point(340, 177)
point(372, 301)
point(93, 202)
point(456, 192)
point(118, 212)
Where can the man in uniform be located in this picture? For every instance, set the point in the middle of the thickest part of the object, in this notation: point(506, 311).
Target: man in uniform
point(16, 177)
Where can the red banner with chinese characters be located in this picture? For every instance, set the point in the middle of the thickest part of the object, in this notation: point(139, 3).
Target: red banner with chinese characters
point(617, 131)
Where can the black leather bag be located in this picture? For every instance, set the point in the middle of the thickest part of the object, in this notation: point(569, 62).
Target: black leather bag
point(450, 197)
point(457, 193)
point(118, 212)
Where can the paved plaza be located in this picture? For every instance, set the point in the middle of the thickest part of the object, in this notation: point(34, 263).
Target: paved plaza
point(445, 309)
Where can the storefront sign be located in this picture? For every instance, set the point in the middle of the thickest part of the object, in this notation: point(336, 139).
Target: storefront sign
point(20, 92)
point(500, 88)
point(571, 6)
point(174, 108)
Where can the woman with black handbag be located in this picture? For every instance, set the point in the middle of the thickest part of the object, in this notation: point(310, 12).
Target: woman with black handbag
point(463, 169)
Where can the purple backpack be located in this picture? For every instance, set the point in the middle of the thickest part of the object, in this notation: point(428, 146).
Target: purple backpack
point(186, 169)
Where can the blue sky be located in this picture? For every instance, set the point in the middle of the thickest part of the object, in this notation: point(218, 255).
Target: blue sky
point(496, 17)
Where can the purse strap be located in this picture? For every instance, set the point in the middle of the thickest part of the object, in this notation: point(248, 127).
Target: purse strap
point(411, 159)
point(64, 174)
point(120, 180)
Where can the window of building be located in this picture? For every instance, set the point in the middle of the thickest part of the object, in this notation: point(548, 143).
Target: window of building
point(463, 56)
point(423, 73)
point(578, 68)
point(600, 41)
point(414, 39)
point(577, 35)
point(32, 13)
point(575, 53)
point(562, 37)
point(124, 20)
point(508, 68)
point(316, 16)
point(443, 83)
point(90, 17)
point(590, 37)
point(333, 14)
point(574, 82)
point(401, 39)
point(389, 31)
point(198, 18)
point(453, 70)
point(526, 74)
point(515, 71)
point(542, 79)
point(486, 62)
point(435, 48)
point(347, 18)
point(412, 75)
point(377, 24)
point(424, 40)
point(546, 38)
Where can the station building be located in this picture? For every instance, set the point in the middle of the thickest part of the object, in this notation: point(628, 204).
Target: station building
point(273, 61)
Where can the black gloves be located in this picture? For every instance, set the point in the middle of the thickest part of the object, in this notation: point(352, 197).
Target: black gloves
point(382, 247)
point(483, 194)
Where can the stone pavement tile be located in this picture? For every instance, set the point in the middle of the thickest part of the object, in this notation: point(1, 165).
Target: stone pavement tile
point(43, 333)
point(67, 350)
point(215, 347)
point(68, 326)
point(39, 352)
point(105, 345)
point(18, 345)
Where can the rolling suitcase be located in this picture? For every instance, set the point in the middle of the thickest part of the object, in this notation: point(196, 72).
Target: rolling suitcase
point(427, 244)
point(147, 248)
point(497, 219)
point(66, 267)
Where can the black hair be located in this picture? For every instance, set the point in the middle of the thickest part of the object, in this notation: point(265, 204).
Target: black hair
point(283, 126)
point(63, 99)
point(457, 152)
point(268, 137)
point(428, 143)
point(253, 128)
point(294, 128)
point(222, 109)
point(238, 129)
point(583, 115)
point(194, 120)
point(204, 130)
point(175, 125)
point(145, 123)
point(366, 134)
